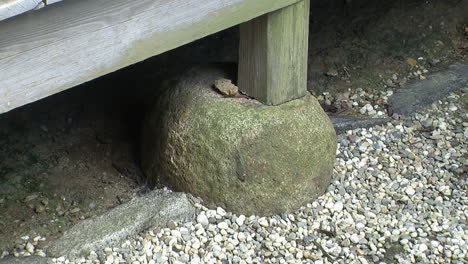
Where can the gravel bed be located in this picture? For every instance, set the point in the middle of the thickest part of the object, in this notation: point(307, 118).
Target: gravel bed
point(398, 195)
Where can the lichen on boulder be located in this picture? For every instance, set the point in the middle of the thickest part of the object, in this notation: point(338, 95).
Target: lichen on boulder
point(235, 152)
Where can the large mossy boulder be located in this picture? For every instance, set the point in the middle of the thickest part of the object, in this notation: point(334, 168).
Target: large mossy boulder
point(235, 152)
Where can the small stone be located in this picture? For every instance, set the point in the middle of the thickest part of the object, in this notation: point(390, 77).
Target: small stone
point(240, 220)
point(263, 222)
point(308, 239)
point(390, 83)
point(363, 110)
point(226, 87)
point(453, 108)
point(45, 202)
point(31, 197)
point(434, 62)
point(355, 238)
point(360, 225)
point(411, 61)
point(346, 243)
point(172, 225)
point(338, 206)
point(332, 73)
point(220, 211)
point(223, 225)
point(39, 209)
point(179, 247)
point(30, 248)
point(307, 254)
point(410, 191)
point(203, 219)
point(75, 210)
point(218, 238)
point(422, 247)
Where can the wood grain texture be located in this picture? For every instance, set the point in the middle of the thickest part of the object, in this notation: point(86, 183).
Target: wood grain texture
point(66, 44)
point(273, 55)
point(10, 8)
point(49, 2)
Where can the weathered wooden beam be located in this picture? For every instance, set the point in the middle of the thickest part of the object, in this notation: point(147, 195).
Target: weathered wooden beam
point(66, 44)
point(273, 55)
point(9, 8)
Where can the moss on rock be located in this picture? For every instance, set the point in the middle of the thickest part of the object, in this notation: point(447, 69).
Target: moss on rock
point(235, 152)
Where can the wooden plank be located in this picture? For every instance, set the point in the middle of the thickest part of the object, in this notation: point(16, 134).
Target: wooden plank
point(9, 8)
point(273, 55)
point(49, 2)
point(65, 44)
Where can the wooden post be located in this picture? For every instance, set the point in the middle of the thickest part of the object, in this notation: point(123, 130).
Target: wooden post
point(273, 55)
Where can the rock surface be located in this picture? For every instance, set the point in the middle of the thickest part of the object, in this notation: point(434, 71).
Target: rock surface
point(237, 153)
point(154, 209)
point(416, 95)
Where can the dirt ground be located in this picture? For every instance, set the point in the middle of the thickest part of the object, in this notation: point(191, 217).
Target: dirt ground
point(370, 41)
point(74, 155)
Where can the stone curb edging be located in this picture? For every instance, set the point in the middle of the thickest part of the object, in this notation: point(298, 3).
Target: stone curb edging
point(156, 208)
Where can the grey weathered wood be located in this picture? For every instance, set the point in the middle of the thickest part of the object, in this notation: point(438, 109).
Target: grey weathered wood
point(273, 55)
point(9, 8)
point(65, 44)
point(49, 2)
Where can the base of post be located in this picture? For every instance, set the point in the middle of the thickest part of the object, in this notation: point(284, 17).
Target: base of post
point(238, 153)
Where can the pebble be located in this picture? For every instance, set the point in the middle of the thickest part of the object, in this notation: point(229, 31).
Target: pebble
point(263, 222)
point(223, 225)
point(410, 191)
point(75, 210)
point(202, 219)
point(30, 248)
point(240, 220)
point(226, 87)
point(338, 206)
point(453, 108)
point(332, 72)
point(241, 236)
point(220, 211)
point(39, 208)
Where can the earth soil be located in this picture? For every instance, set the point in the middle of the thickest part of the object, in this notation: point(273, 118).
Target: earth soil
point(75, 155)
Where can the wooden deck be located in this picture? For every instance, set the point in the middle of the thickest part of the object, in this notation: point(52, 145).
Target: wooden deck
point(74, 41)
point(11, 8)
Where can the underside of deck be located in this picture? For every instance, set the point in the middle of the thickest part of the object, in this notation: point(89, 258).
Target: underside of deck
point(74, 41)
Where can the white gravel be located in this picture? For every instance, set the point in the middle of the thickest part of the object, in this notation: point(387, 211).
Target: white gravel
point(398, 195)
